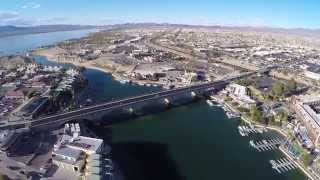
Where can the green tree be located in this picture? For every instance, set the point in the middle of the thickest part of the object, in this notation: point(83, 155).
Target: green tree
point(243, 82)
point(270, 120)
point(255, 113)
point(291, 85)
point(284, 116)
point(307, 158)
point(278, 90)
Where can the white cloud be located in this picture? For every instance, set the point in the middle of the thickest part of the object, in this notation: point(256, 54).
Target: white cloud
point(15, 19)
point(31, 5)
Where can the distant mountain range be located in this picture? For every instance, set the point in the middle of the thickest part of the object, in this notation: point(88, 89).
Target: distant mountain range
point(14, 30)
point(302, 32)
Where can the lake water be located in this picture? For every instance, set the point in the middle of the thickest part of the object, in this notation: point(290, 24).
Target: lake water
point(22, 43)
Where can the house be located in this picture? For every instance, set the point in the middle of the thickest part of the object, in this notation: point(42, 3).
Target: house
point(14, 94)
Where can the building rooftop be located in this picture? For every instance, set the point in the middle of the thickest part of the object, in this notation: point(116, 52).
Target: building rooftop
point(313, 67)
point(67, 155)
point(86, 144)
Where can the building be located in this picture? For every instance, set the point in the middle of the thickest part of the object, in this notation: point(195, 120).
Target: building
point(240, 95)
point(72, 149)
point(308, 109)
point(7, 139)
point(79, 155)
point(69, 159)
point(14, 94)
point(312, 71)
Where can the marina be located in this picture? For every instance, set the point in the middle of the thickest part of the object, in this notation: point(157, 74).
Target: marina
point(266, 145)
point(283, 165)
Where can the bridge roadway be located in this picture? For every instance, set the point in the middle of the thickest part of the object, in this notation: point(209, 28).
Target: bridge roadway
point(81, 113)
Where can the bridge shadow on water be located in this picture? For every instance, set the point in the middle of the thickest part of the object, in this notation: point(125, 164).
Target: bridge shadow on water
point(121, 116)
point(140, 160)
point(145, 161)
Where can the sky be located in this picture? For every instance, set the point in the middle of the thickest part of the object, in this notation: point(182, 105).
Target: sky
point(271, 13)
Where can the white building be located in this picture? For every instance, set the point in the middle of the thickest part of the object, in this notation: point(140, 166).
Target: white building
point(239, 94)
point(69, 159)
point(71, 150)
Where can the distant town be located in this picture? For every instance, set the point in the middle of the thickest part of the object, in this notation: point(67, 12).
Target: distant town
point(273, 83)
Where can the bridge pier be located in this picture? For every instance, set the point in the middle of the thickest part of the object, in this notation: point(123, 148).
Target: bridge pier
point(167, 103)
point(131, 111)
point(193, 94)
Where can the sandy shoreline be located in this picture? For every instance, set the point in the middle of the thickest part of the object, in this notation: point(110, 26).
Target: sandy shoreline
point(52, 54)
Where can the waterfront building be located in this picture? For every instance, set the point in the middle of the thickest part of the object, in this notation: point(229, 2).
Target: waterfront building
point(69, 159)
point(240, 94)
point(308, 108)
point(86, 144)
point(71, 151)
point(72, 139)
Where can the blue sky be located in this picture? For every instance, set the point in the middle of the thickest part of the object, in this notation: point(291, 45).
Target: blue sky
point(275, 13)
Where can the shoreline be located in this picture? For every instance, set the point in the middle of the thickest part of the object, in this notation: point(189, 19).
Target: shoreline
point(51, 55)
point(297, 163)
point(283, 151)
point(46, 32)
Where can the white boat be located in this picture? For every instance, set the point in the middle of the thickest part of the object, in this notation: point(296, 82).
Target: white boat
point(240, 128)
point(260, 130)
point(252, 143)
point(242, 133)
point(122, 81)
point(229, 115)
point(210, 102)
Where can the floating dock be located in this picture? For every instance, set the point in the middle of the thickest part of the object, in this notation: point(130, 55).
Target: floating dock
point(283, 165)
point(266, 145)
point(246, 130)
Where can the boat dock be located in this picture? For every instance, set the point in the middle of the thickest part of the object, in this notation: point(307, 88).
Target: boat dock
point(283, 165)
point(246, 130)
point(266, 145)
point(230, 111)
